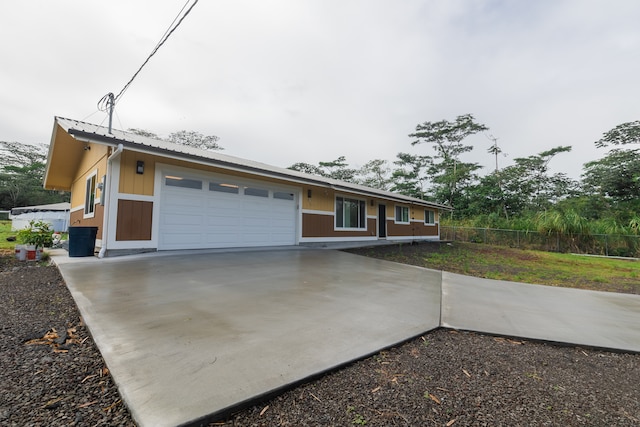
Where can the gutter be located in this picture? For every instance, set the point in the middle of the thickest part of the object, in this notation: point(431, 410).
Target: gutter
point(107, 193)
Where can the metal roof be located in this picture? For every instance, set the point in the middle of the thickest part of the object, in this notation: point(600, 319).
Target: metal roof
point(99, 134)
point(54, 207)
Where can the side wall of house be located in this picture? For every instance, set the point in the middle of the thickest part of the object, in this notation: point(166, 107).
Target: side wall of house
point(86, 206)
point(319, 218)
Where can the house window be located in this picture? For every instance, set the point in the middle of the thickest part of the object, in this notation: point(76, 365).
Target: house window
point(178, 181)
point(429, 217)
point(402, 215)
point(90, 196)
point(351, 213)
point(224, 188)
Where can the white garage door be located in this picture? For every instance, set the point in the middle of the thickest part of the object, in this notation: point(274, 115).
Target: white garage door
point(199, 212)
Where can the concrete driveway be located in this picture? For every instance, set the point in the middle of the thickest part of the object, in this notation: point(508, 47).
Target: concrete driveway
point(190, 335)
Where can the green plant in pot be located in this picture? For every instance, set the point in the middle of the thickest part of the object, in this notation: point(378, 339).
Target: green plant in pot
point(38, 234)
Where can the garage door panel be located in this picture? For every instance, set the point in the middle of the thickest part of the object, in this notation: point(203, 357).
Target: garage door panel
point(191, 218)
point(179, 220)
point(180, 202)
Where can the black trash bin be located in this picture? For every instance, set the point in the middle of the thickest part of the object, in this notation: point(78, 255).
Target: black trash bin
point(82, 241)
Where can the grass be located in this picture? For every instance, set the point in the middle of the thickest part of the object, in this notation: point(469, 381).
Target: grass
point(5, 231)
point(528, 266)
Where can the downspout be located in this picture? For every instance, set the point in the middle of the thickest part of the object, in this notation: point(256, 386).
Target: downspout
point(106, 206)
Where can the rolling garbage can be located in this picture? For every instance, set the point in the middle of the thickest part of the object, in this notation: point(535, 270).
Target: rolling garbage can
point(82, 241)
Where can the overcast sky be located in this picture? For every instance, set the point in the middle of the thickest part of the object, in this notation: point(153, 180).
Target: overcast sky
point(285, 81)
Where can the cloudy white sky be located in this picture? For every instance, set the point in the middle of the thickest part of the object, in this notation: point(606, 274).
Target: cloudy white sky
point(285, 81)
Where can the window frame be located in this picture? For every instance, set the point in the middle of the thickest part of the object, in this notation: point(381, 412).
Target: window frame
point(362, 214)
point(91, 184)
point(426, 217)
point(395, 215)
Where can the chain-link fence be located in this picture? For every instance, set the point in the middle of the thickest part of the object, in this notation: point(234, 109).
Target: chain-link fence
point(593, 244)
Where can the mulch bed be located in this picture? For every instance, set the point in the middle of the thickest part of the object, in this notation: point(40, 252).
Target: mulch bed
point(53, 375)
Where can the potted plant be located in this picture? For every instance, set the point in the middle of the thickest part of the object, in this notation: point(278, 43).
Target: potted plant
point(37, 234)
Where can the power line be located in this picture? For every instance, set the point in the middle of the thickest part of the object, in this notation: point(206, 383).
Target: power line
point(107, 103)
point(163, 39)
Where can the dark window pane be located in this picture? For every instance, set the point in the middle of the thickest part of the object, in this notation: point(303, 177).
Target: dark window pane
point(258, 192)
point(224, 188)
point(175, 181)
point(283, 196)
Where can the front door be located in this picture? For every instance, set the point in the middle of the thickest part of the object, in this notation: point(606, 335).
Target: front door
point(382, 221)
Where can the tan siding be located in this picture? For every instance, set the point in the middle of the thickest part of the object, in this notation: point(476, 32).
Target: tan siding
point(94, 159)
point(134, 220)
point(132, 182)
point(322, 199)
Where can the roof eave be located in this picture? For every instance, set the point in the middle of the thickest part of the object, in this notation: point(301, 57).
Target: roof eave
point(86, 136)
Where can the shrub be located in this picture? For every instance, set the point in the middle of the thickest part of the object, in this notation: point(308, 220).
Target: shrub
point(37, 233)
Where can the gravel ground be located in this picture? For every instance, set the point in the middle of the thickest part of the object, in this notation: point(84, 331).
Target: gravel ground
point(444, 378)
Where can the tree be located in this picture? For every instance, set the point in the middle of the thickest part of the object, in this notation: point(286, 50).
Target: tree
point(336, 169)
point(412, 175)
point(22, 169)
point(183, 137)
point(195, 140)
point(625, 133)
point(447, 138)
point(143, 132)
point(529, 180)
point(616, 176)
point(375, 174)
point(307, 168)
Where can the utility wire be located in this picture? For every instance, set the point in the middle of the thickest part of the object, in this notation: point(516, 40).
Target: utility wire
point(103, 104)
point(163, 39)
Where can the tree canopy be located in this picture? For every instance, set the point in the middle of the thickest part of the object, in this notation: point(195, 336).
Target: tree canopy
point(22, 169)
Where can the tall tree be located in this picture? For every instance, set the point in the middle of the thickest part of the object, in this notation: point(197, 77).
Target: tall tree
point(625, 133)
point(447, 138)
point(529, 180)
point(195, 140)
point(375, 174)
point(616, 176)
point(336, 169)
point(22, 169)
point(412, 175)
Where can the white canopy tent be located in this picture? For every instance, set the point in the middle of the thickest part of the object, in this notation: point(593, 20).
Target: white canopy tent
point(56, 214)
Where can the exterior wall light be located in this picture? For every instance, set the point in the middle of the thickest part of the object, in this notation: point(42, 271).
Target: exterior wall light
point(309, 194)
point(139, 167)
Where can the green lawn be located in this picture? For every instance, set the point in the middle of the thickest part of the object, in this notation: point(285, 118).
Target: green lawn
point(504, 263)
point(5, 231)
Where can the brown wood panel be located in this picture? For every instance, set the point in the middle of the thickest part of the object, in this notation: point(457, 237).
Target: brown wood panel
point(134, 220)
point(323, 226)
point(76, 219)
point(414, 229)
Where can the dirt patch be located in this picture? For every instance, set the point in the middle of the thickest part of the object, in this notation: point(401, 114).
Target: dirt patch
point(52, 373)
point(464, 379)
